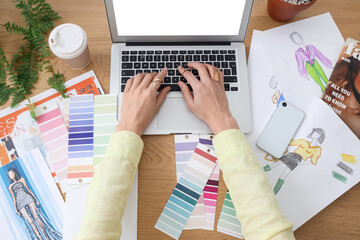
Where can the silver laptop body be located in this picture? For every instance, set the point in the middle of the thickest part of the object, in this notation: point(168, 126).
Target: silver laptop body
point(173, 116)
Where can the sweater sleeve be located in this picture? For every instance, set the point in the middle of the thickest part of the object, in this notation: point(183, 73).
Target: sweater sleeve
point(110, 188)
point(301, 65)
point(252, 195)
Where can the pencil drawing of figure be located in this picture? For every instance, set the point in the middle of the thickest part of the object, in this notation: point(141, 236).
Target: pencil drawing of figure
point(306, 56)
point(277, 97)
point(304, 150)
point(28, 208)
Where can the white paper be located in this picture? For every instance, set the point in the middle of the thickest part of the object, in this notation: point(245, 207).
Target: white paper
point(308, 188)
point(319, 31)
point(75, 209)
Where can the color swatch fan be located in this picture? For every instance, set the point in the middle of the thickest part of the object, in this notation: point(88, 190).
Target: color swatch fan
point(187, 192)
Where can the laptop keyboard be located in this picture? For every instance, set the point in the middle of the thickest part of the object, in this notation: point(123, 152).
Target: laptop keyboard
point(134, 62)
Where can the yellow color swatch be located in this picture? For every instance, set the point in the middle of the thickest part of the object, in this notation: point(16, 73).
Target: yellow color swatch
point(348, 158)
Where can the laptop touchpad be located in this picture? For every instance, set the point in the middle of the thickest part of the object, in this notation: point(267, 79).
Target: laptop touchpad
point(174, 115)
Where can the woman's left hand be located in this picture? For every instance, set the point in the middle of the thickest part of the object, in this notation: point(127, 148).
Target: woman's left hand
point(140, 101)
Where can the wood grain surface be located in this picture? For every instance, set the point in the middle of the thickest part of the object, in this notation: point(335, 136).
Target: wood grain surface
point(340, 220)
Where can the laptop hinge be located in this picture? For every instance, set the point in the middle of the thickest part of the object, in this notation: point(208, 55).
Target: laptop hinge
point(176, 43)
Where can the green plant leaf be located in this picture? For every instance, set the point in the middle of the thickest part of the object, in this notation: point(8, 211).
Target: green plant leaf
point(23, 70)
point(57, 81)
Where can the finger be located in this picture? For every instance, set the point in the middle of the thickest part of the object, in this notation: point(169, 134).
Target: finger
point(128, 85)
point(161, 97)
point(147, 79)
point(212, 71)
point(138, 79)
point(203, 72)
point(221, 74)
point(188, 76)
point(159, 76)
point(189, 98)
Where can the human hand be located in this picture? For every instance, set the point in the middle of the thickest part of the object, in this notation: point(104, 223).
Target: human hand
point(140, 101)
point(208, 100)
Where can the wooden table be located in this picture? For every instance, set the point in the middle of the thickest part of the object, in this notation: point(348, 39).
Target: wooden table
point(340, 220)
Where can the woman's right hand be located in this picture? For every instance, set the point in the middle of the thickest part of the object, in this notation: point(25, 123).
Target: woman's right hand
point(208, 100)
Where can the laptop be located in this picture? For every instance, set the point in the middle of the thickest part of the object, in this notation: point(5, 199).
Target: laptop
point(149, 35)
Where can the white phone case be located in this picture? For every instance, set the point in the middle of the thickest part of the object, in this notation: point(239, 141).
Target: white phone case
point(281, 127)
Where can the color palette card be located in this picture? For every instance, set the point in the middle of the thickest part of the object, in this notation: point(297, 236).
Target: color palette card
point(210, 198)
point(105, 120)
point(187, 191)
point(81, 139)
point(54, 135)
point(184, 148)
point(211, 189)
point(228, 222)
point(185, 144)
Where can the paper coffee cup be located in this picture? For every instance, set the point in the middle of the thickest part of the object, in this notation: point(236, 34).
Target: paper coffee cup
point(69, 42)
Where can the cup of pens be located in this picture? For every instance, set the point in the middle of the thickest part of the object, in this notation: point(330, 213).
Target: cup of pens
point(69, 42)
point(285, 10)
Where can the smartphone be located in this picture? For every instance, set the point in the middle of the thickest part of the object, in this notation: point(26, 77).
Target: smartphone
point(280, 129)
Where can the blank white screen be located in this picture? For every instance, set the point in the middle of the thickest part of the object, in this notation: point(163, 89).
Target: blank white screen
point(183, 17)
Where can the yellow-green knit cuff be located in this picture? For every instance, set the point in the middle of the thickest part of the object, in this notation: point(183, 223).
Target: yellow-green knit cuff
point(229, 143)
point(126, 144)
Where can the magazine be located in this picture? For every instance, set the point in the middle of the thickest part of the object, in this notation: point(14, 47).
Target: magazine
point(342, 93)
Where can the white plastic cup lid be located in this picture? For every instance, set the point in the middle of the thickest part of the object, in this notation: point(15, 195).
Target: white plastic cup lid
point(67, 41)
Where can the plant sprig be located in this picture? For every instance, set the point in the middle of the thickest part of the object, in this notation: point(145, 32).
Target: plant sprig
point(17, 77)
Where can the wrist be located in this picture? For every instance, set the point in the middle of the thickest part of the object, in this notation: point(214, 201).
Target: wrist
point(121, 126)
point(222, 123)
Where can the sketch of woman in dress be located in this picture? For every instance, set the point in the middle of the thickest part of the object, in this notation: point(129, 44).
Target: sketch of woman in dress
point(306, 61)
point(27, 206)
point(305, 150)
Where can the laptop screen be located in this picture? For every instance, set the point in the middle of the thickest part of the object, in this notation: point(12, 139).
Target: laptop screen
point(180, 18)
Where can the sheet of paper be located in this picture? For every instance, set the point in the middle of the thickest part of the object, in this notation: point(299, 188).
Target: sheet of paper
point(228, 222)
point(187, 191)
point(81, 139)
point(75, 209)
point(54, 135)
point(313, 170)
point(105, 120)
point(33, 188)
point(19, 133)
point(185, 144)
point(302, 55)
point(313, 179)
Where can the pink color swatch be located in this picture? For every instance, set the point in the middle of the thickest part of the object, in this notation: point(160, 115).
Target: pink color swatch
point(55, 137)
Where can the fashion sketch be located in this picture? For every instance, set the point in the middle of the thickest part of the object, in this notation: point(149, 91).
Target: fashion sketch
point(277, 97)
point(10, 147)
point(27, 207)
point(307, 152)
point(307, 57)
